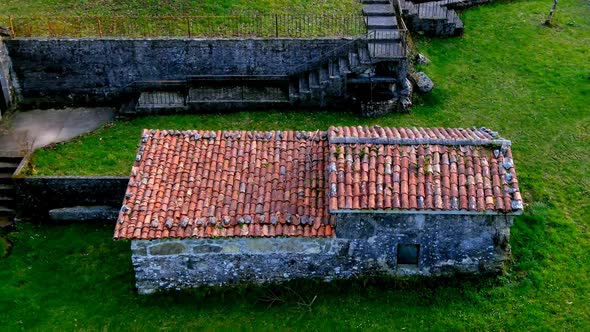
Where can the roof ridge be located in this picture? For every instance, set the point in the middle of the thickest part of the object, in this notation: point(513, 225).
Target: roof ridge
point(417, 141)
point(415, 136)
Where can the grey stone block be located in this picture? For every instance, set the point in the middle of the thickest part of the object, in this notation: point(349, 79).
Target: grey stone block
point(84, 213)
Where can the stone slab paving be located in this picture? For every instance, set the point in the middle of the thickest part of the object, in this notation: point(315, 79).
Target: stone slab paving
point(25, 131)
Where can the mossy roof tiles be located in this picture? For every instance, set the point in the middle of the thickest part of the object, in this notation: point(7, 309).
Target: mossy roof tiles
point(204, 184)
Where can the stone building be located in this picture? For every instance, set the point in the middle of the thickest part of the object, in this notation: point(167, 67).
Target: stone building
point(220, 207)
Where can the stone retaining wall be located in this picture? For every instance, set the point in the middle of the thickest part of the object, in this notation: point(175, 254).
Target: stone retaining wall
point(7, 86)
point(79, 71)
point(35, 196)
point(364, 245)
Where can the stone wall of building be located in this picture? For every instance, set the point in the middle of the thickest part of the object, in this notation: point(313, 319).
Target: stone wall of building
point(79, 71)
point(364, 245)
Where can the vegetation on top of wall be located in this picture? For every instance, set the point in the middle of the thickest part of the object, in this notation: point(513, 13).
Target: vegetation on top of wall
point(509, 73)
point(174, 7)
point(182, 18)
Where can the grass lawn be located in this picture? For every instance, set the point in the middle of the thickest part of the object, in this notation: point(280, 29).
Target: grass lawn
point(508, 73)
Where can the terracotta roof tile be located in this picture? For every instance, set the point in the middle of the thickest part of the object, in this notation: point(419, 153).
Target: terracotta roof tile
point(250, 183)
point(226, 183)
point(422, 169)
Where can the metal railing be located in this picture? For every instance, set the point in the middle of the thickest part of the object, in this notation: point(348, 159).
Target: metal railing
point(390, 44)
point(255, 25)
point(326, 58)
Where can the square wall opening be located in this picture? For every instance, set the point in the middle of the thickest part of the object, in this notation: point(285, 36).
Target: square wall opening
point(408, 254)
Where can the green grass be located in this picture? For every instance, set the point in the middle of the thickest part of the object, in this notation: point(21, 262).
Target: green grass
point(233, 18)
point(509, 73)
point(172, 7)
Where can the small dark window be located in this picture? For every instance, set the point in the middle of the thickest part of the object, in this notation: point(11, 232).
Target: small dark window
point(408, 254)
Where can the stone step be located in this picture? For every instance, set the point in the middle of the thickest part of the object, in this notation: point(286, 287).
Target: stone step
point(7, 212)
point(364, 56)
point(304, 84)
point(381, 22)
point(344, 66)
point(11, 158)
point(6, 178)
point(7, 201)
point(385, 50)
point(334, 69)
point(384, 35)
point(6, 189)
point(372, 79)
point(324, 75)
point(378, 10)
point(373, 2)
point(161, 99)
point(8, 167)
point(409, 8)
point(353, 60)
point(293, 90)
point(236, 94)
point(432, 11)
point(314, 80)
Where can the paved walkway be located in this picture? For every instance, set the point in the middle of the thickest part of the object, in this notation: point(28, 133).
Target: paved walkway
point(24, 131)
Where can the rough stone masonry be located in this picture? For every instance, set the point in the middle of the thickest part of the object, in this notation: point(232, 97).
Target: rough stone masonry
point(224, 207)
point(364, 245)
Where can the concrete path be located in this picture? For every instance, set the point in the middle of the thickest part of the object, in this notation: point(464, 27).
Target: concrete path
point(25, 131)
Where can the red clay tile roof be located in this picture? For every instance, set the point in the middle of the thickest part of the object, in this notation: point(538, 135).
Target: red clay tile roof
point(222, 184)
point(244, 183)
point(389, 169)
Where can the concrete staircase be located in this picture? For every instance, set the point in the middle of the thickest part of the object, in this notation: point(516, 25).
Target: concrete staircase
point(327, 80)
point(205, 93)
point(434, 18)
point(8, 165)
point(367, 60)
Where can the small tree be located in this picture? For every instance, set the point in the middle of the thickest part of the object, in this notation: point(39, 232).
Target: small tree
point(550, 16)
